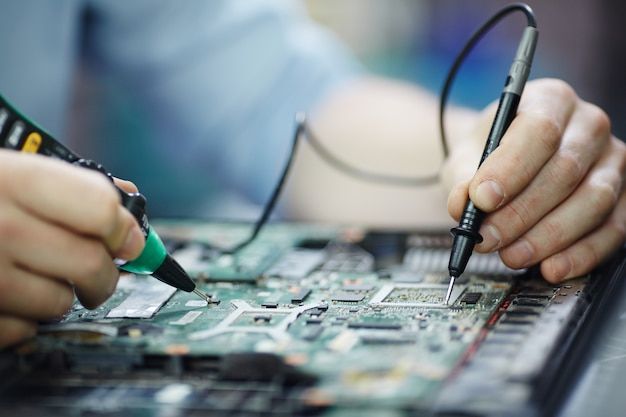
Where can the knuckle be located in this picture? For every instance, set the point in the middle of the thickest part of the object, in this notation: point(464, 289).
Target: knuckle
point(605, 193)
point(600, 120)
point(514, 218)
point(553, 232)
point(567, 169)
point(559, 88)
point(548, 129)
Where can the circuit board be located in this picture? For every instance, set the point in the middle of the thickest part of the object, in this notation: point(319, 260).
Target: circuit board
point(307, 319)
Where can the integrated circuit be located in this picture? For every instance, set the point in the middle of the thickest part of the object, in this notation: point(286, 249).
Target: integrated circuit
point(471, 297)
point(415, 295)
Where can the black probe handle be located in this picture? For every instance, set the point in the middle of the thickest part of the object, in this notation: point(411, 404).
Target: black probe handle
point(134, 202)
point(466, 234)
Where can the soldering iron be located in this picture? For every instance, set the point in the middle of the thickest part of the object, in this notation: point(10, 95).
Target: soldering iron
point(18, 133)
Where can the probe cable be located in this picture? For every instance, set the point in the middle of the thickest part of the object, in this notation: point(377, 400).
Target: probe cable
point(304, 130)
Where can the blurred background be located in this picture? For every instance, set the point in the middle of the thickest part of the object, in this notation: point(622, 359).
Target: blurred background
point(580, 41)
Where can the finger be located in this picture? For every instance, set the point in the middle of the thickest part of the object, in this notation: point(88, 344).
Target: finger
point(127, 241)
point(587, 207)
point(457, 199)
point(31, 296)
point(531, 140)
point(14, 330)
point(583, 142)
point(74, 197)
point(127, 186)
point(587, 253)
point(50, 250)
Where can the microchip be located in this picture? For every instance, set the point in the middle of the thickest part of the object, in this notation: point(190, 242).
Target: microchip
point(415, 295)
point(471, 297)
point(375, 325)
point(312, 333)
point(522, 311)
point(348, 297)
point(300, 296)
point(529, 302)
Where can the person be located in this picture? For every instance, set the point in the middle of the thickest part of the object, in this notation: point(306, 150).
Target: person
point(228, 76)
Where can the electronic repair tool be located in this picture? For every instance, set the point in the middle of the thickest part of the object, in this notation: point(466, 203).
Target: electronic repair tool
point(20, 134)
point(466, 235)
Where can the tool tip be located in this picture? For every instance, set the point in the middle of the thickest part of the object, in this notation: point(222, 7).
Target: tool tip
point(173, 274)
point(206, 297)
point(449, 292)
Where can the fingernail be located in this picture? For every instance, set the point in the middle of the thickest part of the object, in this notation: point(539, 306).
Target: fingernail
point(489, 195)
point(134, 244)
point(561, 267)
point(491, 238)
point(521, 253)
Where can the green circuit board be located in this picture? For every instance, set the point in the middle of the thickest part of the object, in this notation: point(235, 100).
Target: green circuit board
point(368, 333)
point(339, 305)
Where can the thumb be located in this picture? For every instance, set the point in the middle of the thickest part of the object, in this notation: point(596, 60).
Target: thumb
point(127, 186)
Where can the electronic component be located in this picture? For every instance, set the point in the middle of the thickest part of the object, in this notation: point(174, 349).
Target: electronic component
point(368, 341)
point(300, 295)
point(414, 295)
point(297, 263)
point(471, 297)
point(347, 297)
point(144, 300)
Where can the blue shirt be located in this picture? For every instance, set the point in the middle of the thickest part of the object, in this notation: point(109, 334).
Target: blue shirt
point(193, 100)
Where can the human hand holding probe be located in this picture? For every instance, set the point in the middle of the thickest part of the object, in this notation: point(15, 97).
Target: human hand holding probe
point(18, 133)
point(551, 194)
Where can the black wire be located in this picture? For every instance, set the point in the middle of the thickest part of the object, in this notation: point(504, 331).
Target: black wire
point(359, 173)
point(269, 206)
point(303, 129)
point(476, 36)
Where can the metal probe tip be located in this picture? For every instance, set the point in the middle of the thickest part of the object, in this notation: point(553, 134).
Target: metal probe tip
point(206, 297)
point(449, 293)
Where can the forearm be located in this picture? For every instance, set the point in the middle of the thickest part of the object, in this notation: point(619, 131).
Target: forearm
point(381, 126)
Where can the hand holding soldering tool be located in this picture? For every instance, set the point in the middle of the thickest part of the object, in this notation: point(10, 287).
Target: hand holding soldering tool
point(18, 133)
point(466, 234)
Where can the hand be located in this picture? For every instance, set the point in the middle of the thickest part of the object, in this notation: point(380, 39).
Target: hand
point(60, 228)
point(553, 188)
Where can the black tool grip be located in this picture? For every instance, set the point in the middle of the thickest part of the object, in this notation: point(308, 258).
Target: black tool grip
point(134, 202)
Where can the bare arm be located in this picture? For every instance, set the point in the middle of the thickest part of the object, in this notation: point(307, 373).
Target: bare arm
point(382, 126)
